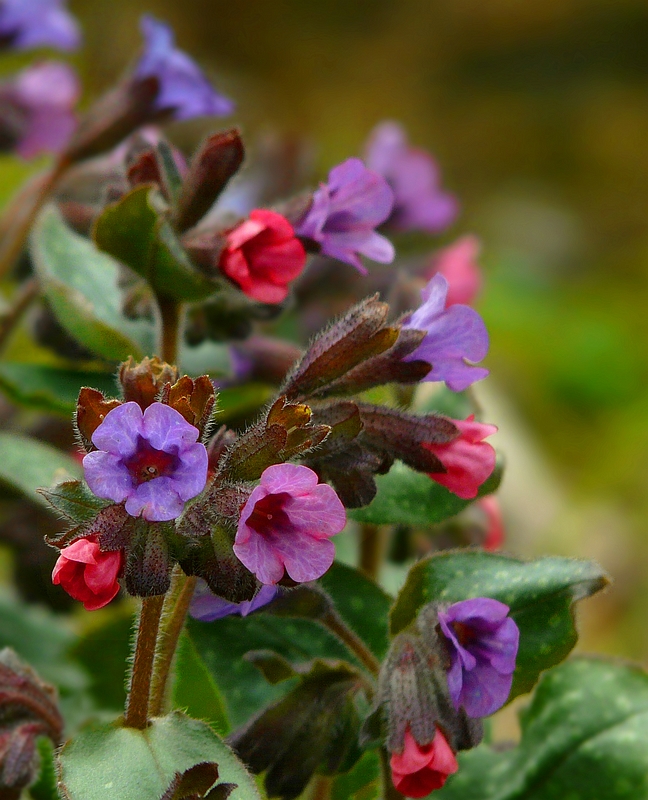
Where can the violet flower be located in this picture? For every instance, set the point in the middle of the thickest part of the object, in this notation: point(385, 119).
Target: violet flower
point(25, 24)
point(286, 524)
point(36, 109)
point(483, 643)
point(345, 212)
point(419, 201)
point(207, 607)
point(183, 88)
point(151, 460)
point(455, 336)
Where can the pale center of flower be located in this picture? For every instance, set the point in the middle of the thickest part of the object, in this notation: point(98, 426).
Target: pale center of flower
point(147, 463)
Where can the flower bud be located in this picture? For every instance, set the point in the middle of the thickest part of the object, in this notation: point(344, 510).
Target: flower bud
point(88, 574)
point(143, 381)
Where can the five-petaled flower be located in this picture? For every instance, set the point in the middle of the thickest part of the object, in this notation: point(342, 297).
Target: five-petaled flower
point(419, 201)
point(483, 644)
point(87, 574)
point(183, 89)
point(151, 460)
point(25, 24)
point(458, 265)
point(207, 607)
point(345, 213)
point(468, 460)
point(420, 769)
point(455, 336)
point(286, 524)
point(39, 103)
point(262, 256)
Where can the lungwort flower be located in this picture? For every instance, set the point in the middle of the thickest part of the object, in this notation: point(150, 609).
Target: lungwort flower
point(286, 524)
point(150, 460)
point(25, 24)
point(419, 201)
point(420, 769)
point(182, 86)
point(262, 256)
point(468, 460)
point(345, 213)
point(87, 574)
point(456, 337)
point(36, 109)
point(207, 607)
point(458, 265)
point(483, 643)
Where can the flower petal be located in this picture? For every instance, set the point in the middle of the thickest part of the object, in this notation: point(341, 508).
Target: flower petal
point(107, 476)
point(120, 431)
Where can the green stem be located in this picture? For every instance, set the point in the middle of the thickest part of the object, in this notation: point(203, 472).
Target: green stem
point(373, 542)
point(174, 613)
point(389, 790)
point(136, 715)
point(170, 311)
point(22, 212)
point(337, 626)
point(25, 296)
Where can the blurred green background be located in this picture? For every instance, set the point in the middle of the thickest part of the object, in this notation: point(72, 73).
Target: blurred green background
point(537, 111)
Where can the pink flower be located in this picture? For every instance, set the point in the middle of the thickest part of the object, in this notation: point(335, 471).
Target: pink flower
point(495, 533)
point(263, 255)
point(286, 523)
point(87, 574)
point(458, 265)
point(468, 459)
point(420, 769)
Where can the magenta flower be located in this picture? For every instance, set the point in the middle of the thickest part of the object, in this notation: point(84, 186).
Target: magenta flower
point(468, 459)
point(151, 460)
point(458, 265)
point(39, 103)
point(182, 86)
point(419, 201)
point(483, 643)
point(25, 24)
point(345, 213)
point(455, 337)
point(286, 524)
point(207, 607)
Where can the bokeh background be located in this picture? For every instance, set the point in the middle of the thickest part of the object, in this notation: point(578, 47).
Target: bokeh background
point(537, 111)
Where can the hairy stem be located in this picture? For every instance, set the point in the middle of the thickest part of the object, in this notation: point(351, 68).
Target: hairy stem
point(170, 311)
point(389, 791)
point(136, 715)
point(174, 613)
point(336, 625)
point(22, 212)
point(373, 545)
point(25, 296)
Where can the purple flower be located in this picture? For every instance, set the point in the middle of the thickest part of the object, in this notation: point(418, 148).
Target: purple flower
point(207, 607)
point(286, 524)
point(25, 24)
point(37, 108)
point(483, 643)
point(183, 88)
point(455, 336)
point(345, 213)
point(151, 460)
point(419, 201)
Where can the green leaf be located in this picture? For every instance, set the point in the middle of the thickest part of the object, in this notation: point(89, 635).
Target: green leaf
point(27, 465)
point(361, 782)
point(49, 388)
point(108, 761)
point(583, 738)
point(45, 786)
point(406, 497)
point(81, 284)
point(223, 643)
point(194, 689)
point(135, 231)
point(361, 603)
point(539, 593)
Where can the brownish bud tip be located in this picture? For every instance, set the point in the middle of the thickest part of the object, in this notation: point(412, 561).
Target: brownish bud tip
point(92, 408)
point(142, 382)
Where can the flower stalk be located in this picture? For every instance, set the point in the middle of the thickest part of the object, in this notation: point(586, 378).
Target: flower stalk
point(137, 704)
